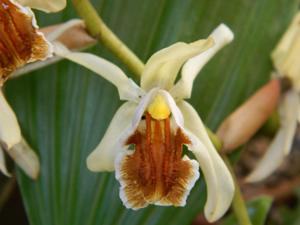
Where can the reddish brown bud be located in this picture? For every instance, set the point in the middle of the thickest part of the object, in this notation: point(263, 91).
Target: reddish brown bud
point(75, 38)
point(244, 122)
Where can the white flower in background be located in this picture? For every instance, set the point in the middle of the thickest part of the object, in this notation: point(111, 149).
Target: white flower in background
point(286, 61)
point(20, 43)
point(144, 140)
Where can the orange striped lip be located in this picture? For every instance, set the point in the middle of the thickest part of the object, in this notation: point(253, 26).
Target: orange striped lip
point(156, 173)
point(20, 42)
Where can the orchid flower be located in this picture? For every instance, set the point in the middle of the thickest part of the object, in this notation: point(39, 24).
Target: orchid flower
point(20, 43)
point(144, 140)
point(286, 61)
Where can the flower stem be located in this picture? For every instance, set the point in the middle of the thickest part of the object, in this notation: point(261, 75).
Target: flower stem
point(214, 139)
point(238, 203)
point(98, 29)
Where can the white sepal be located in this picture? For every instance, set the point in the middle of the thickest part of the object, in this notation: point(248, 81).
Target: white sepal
point(10, 133)
point(220, 185)
point(222, 35)
point(103, 157)
point(25, 158)
point(127, 89)
point(282, 143)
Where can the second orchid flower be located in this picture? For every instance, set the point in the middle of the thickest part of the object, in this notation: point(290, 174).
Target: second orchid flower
point(20, 43)
point(157, 122)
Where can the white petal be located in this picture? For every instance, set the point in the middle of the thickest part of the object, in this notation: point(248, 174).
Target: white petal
point(220, 186)
point(211, 179)
point(222, 35)
point(103, 157)
point(25, 158)
point(10, 133)
point(162, 67)
point(3, 168)
point(128, 90)
point(282, 143)
point(44, 5)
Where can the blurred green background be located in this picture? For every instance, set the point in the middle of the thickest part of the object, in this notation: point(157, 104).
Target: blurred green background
point(64, 109)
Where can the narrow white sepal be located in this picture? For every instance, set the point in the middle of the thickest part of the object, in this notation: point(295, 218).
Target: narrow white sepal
point(10, 133)
point(222, 35)
point(25, 158)
point(104, 155)
point(3, 168)
point(282, 143)
point(127, 89)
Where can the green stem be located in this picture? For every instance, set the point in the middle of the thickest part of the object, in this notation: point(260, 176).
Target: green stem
point(238, 203)
point(214, 139)
point(98, 29)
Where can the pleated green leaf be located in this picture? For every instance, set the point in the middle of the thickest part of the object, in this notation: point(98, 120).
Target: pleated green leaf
point(64, 109)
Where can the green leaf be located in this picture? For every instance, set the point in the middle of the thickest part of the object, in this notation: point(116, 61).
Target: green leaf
point(258, 210)
point(64, 109)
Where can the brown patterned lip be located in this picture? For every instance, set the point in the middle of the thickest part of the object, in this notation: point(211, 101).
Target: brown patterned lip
point(20, 41)
point(156, 173)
